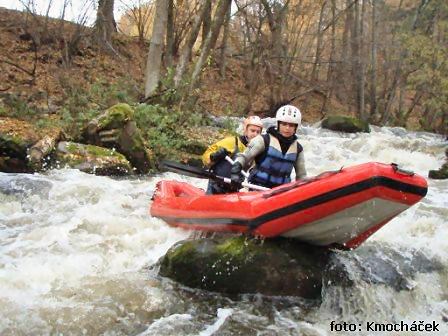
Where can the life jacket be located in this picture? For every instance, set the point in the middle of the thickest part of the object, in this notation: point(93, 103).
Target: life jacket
point(223, 167)
point(274, 168)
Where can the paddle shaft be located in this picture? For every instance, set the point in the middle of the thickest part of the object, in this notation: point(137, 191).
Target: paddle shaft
point(201, 173)
point(229, 160)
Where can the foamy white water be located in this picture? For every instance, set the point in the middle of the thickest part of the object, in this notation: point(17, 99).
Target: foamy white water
point(76, 252)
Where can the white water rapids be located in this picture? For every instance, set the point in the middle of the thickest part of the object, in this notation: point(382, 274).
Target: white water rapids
point(76, 252)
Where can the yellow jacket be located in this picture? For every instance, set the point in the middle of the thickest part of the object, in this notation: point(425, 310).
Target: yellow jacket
point(227, 143)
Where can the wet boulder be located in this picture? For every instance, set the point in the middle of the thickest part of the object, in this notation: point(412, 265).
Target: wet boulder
point(19, 187)
point(115, 128)
point(442, 172)
point(90, 159)
point(16, 137)
point(286, 267)
point(242, 265)
point(345, 124)
point(439, 174)
point(379, 264)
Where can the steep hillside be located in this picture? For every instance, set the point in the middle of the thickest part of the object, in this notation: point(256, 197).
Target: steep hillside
point(54, 68)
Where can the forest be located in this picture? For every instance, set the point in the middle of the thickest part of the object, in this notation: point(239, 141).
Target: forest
point(384, 62)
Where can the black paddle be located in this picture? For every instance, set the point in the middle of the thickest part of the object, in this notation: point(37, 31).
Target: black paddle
point(183, 169)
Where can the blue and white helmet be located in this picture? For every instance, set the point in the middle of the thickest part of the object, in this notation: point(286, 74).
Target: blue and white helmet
point(289, 114)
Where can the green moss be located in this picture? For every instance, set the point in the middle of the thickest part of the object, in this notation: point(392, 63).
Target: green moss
point(116, 116)
point(180, 262)
point(80, 149)
point(241, 248)
point(440, 174)
point(72, 147)
point(345, 124)
point(71, 160)
point(100, 151)
point(360, 124)
point(242, 265)
point(180, 252)
point(92, 159)
point(233, 246)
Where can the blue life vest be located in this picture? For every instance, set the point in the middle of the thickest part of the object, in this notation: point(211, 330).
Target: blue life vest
point(274, 168)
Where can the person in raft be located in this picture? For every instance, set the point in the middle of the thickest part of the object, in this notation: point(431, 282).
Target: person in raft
point(215, 155)
point(275, 153)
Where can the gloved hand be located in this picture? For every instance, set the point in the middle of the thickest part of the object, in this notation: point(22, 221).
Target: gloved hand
point(235, 174)
point(219, 155)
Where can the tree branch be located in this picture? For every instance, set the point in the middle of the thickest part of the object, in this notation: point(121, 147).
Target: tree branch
point(28, 72)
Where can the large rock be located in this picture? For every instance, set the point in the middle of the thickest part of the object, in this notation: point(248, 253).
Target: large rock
point(91, 159)
point(345, 124)
point(115, 128)
point(287, 267)
point(439, 174)
point(379, 264)
point(442, 172)
point(240, 265)
point(16, 137)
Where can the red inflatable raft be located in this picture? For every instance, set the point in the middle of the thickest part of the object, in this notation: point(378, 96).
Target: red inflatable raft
point(341, 208)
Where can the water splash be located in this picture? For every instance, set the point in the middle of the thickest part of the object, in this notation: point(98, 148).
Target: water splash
point(75, 251)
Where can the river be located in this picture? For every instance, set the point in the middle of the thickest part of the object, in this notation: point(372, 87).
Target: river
point(76, 255)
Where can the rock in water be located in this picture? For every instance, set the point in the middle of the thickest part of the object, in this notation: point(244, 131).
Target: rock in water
point(243, 265)
point(345, 124)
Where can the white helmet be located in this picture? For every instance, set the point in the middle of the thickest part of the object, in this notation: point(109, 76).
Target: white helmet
point(289, 114)
point(252, 120)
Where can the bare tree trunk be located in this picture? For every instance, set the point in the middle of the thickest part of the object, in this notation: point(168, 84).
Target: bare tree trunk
point(206, 22)
point(105, 24)
point(320, 33)
point(360, 56)
point(373, 80)
point(346, 53)
point(277, 20)
point(154, 59)
point(398, 69)
point(252, 81)
point(390, 97)
point(418, 95)
point(400, 110)
point(62, 17)
point(210, 41)
point(225, 36)
point(187, 49)
point(169, 35)
point(45, 32)
point(354, 60)
point(357, 62)
point(253, 48)
point(331, 67)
